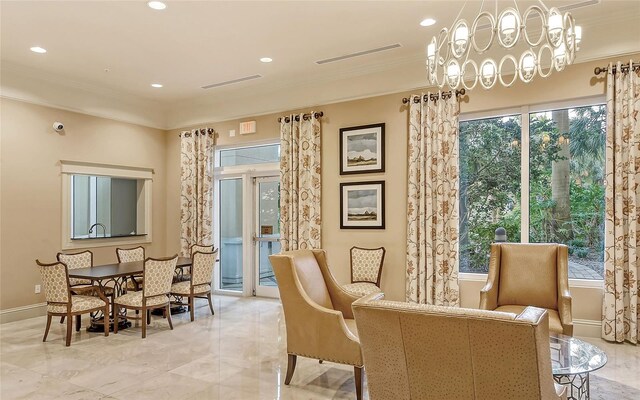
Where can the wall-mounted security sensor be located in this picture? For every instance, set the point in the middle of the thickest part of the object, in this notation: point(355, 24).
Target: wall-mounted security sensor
point(58, 126)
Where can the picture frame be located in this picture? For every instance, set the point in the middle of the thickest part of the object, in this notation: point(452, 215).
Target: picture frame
point(362, 149)
point(362, 205)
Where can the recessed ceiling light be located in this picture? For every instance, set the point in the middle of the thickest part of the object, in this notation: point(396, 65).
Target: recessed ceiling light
point(38, 49)
point(157, 5)
point(427, 22)
point(266, 59)
point(156, 85)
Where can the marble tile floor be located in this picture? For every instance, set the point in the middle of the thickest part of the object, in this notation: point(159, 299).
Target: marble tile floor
point(240, 353)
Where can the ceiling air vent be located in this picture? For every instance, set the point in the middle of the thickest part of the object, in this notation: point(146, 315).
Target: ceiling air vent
point(246, 78)
point(358, 54)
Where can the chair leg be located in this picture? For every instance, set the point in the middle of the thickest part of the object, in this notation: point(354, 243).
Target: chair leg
point(191, 308)
point(169, 316)
point(69, 329)
point(291, 366)
point(78, 322)
point(210, 303)
point(116, 318)
point(357, 374)
point(46, 330)
point(62, 319)
point(319, 361)
point(106, 320)
point(144, 322)
point(148, 317)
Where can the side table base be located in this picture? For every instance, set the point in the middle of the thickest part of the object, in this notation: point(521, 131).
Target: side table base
point(577, 385)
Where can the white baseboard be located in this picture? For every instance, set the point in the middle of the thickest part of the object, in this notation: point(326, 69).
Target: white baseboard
point(587, 328)
point(24, 312)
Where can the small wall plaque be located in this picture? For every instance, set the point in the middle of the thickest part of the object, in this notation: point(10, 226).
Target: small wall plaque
point(266, 230)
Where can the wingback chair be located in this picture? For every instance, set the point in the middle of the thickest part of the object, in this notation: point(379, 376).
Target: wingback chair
point(527, 274)
point(417, 351)
point(317, 312)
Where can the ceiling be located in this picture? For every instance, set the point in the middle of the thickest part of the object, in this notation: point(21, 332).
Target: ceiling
point(118, 48)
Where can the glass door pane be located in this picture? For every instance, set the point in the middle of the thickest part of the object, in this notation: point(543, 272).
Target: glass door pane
point(231, 276)
point(267, 233)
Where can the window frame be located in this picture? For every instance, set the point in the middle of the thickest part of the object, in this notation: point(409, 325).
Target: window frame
point(143, 175)
point(524, 112)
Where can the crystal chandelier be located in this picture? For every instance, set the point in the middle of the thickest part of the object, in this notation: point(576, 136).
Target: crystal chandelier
point(450, 53)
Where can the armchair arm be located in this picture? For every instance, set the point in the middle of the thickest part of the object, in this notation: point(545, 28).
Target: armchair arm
point(340, 298)
point(489, 293)
point(564, 295)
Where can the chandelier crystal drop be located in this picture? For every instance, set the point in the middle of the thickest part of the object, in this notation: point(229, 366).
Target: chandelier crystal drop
point(451, 53)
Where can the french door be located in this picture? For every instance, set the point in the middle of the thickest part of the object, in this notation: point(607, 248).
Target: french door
point(248, 232)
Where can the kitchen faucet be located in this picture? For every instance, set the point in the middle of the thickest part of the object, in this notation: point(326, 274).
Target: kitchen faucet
point(104, 229)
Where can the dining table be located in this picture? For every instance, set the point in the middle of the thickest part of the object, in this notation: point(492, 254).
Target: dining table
point(114, 277)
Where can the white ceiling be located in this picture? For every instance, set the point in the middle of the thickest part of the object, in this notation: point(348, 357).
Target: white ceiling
point(192, 44)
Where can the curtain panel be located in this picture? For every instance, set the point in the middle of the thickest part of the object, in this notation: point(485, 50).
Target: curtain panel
point(300, 182)
point(196, 195)
point(622, 198)
point(432, 204)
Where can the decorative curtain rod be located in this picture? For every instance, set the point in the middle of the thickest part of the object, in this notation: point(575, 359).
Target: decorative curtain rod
point(434, 97)
point(623, 67)
point(203, 131)
point(304, 116)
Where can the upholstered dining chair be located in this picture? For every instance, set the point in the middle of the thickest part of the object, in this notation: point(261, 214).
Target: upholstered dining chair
point(158, 276)
point(366, 270)
point(528, 274)
point(62, 302)
point(419, 351)
point(130, 255)
point(199, 283)
point(317, 312)
point(83, 259)
point(201, 248)
point(181, 276)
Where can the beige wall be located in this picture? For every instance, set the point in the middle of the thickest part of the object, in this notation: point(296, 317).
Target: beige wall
point(31, 185)
point(576, 82)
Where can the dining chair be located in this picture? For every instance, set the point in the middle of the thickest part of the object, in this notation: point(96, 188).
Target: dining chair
point(62, 302)
point(83, 259)
point(201, 248)
point(181, 276)
point(130, 255)
point(158, 276)
point(199, 283)
point(366, 270)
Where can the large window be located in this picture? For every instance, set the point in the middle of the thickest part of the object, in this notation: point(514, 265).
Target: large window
point(560, 199)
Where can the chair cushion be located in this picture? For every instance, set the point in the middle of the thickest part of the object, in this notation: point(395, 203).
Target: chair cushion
point(555, 325)
point(135, 283)
point(134, 299)
point(79, 282)
point(528, 275)
point(351, 324)
point(78, 303)
point(361, 288)
point(184, 288)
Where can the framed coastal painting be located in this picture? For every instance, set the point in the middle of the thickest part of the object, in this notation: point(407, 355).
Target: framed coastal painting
point(362, 149)
point(362, 205)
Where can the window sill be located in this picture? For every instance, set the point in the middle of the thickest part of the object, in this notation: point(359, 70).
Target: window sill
point(577, 283)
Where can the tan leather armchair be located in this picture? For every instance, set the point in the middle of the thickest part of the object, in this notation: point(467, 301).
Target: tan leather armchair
point(416, 351)
point(527, 274)
point(317, 312)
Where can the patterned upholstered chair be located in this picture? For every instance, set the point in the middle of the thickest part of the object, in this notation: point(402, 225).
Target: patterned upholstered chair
point(317, 312)
point(530, 274)
point(199, 283)
point(130, 255)
point(158, 276)
point(419, 351)
point(181, 276)
point(62, 302)
point(83, 259)
point(201, 248)
point(366, 270)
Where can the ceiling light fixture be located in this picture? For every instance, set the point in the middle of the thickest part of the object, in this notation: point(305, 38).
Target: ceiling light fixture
point(156, 85)
point(449, 53)
point(38, 49)
point(427, 22)
point(266, 59)
point(156, 5)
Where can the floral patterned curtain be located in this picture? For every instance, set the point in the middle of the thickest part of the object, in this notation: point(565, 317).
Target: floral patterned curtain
point(196, 197)
point(300, 182)
point(432, 204)
point(622, 226)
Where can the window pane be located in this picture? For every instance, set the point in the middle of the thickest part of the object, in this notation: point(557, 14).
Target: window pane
point(231, 234)
point(489, 187)
point(566, 172)
point(250, 155)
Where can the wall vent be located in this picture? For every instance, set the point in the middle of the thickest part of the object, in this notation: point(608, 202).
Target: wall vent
point(358, 54)
point(246, 78)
